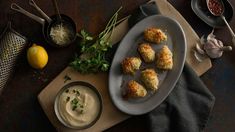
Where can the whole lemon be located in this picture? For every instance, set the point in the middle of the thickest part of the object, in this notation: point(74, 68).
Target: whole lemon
point(37, 56)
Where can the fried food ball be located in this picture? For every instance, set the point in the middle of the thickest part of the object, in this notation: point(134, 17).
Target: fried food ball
point(146, 52)
point(131, 64)
point(154, 35)
point(135, 90)
point(150, 79)
point(164, 59)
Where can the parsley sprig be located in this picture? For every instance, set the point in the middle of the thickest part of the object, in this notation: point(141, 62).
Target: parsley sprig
point(75, 102)
point(93, 49)
point(66, 78)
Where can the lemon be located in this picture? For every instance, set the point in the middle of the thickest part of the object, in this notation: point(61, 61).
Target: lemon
point(37, 56)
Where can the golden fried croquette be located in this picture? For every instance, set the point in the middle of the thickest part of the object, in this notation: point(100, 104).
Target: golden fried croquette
point(146, 52)
point(154, 35)
point(164, 59)
point(150, 79)
point(131, 64)
point(135, 90)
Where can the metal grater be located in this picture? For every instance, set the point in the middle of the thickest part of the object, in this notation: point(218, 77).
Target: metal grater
point(11, 46)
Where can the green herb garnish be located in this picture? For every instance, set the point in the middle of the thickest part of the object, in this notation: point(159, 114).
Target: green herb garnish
point(66, 78)
point(93, 49)
point(78, 93)
point(74, 107)
point(67, 99)
point(67, 90)
point(74, 103)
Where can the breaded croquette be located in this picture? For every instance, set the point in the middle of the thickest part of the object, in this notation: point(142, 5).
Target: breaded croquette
point(154, 35)
point(135, 90)
point(164, 59)
point(146, 52)
point(131, 64)
point(150, 79)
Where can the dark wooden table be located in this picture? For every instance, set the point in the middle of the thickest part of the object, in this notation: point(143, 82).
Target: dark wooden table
point(19, 108)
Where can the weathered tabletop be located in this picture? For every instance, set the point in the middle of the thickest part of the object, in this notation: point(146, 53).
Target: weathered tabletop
point(19, 107)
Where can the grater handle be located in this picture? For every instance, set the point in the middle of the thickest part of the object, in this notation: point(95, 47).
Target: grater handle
point(17, 8)
point(32, 3)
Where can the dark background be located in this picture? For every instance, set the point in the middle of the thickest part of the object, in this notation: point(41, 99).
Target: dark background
point(19, 107)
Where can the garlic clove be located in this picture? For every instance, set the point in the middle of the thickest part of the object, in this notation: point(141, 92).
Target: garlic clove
point(209, 45)
point(202, 40)
point(214, 52)
point(199, 49)
point(220, 43)
point(226, 48)
point(211, 35)
point(198, 56)
point(216, 43)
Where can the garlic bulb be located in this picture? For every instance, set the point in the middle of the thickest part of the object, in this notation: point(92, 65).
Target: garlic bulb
point(211, 47)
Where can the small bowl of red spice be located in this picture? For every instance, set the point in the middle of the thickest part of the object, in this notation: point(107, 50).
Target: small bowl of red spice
point(200, 8)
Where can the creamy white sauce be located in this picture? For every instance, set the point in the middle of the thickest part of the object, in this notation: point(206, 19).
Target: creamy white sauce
point(81, 116)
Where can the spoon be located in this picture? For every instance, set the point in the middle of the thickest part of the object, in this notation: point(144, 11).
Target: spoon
point(32, 3)
point(57, 10)
point(216, 7)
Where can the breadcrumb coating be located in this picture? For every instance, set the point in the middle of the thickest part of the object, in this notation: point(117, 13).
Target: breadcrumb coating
point(164, 59)
point(131, 64)
point(146, 52)
point(150, 79)
point(134, 89)
point(154, 35)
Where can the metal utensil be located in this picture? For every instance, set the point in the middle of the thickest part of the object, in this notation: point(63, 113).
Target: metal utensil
point(57, 9)
point(32, 3)
point(40, 20)
point(11, 46)
point(220, 14)
point(46, 26)
point(17, 8)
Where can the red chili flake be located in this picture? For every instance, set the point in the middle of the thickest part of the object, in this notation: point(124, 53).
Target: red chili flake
point(215, 6)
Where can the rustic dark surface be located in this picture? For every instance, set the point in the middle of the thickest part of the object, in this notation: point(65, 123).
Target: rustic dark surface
point(19, 108)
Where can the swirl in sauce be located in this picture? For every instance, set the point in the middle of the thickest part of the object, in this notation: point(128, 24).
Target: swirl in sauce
point(79, 106)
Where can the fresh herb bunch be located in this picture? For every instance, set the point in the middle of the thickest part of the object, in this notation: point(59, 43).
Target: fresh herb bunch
point(93, 49)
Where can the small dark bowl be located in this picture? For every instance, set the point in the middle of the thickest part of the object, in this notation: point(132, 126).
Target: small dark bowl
point(200, 9)
point(80, 83)
point(65, 20)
